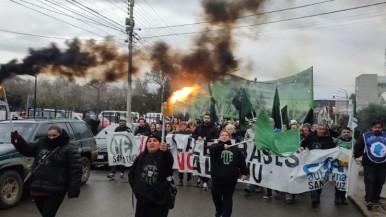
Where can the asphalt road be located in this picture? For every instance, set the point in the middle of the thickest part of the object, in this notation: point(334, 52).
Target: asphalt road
point(101, 197)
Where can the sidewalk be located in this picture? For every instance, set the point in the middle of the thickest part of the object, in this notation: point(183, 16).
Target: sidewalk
point(359, 200)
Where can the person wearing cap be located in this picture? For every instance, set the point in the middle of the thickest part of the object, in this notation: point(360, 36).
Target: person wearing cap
point(122, 127)
point(149, 177)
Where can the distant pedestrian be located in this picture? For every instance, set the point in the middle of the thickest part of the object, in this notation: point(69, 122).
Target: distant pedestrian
point(93, 123)
point(227, 165)
point(372, 148)
point(56, 170)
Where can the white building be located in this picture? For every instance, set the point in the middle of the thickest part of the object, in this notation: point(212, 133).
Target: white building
point(370, 88)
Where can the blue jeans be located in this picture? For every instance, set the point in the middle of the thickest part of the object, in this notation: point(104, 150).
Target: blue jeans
point(374, 179)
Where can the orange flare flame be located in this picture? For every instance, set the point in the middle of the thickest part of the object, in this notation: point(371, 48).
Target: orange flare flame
point(183, 94)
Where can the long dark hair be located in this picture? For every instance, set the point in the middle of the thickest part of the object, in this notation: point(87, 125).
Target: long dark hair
point(158, 153)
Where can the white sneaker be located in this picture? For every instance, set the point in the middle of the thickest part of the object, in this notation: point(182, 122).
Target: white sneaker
point(205, 186)
point(121, 175)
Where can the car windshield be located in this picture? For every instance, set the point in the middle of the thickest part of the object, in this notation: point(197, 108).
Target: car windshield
point(24, 129)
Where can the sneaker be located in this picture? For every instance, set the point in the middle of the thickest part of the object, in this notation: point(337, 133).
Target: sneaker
point(369, 205)
point(344, 201)
point(376, 204)
point(205, 186)
point(267, 195)
point(247, 190)
point(121, 175)
point(337, 201)
point(180, 183)
point(198, 182)
point(111, 175)
point(289, 198)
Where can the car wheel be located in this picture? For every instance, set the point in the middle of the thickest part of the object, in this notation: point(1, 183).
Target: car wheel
point(11, 188)
point(86, 169)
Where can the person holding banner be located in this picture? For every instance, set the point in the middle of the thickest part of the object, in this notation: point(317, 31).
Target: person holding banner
point(205, 132)
point(372, 148)
point(149, 177)
point(227, 164)
point(318, 140)
point(184, 131)
point(122, 127)
point(344, 141)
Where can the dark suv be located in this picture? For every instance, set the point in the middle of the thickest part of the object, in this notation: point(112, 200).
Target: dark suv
point(14, 166)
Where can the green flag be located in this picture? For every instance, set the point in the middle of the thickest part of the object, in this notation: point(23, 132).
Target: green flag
point(281, 144)
point(284, 115)
point(212, 112)
point(244, 107)
point(275, 114)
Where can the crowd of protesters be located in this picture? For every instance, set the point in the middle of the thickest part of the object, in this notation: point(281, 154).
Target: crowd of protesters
point(316, 136)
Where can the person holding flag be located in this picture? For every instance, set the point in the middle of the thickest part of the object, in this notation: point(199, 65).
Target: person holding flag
point(227, 164)
point(372, 148)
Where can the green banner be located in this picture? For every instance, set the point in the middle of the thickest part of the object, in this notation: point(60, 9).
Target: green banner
point(295, 91)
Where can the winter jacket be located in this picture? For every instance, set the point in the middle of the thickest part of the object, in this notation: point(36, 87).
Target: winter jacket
point(122, 129)
point(148, 174)
point(62, 171)
point(226, 164)
point(359, 150)
point(145, 130)
point(313, 141)
point(209, 131)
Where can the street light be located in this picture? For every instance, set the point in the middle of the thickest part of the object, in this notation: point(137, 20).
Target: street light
point(341, 90)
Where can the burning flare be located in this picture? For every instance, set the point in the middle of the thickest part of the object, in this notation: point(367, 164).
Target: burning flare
point(183, 94)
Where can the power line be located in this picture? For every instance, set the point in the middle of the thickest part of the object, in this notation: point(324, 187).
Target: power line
point(271, 22)
point(59, 19)
point(34, 35)
point(65, 14)
point(250, 15)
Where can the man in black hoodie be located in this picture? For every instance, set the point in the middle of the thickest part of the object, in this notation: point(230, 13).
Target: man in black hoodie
point(227, 164)
point(206, 132)
point(320, 139)
point(373, 144)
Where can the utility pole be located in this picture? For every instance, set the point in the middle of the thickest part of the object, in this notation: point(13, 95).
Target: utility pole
point(130, 31)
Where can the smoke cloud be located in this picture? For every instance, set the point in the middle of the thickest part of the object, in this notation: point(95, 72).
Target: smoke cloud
point(210, 58)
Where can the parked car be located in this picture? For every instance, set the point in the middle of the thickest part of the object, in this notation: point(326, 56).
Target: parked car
point(14, 167)
point(101, 141)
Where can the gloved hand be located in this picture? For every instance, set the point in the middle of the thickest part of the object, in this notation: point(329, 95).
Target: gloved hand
point(14, 136)
point(73, 194)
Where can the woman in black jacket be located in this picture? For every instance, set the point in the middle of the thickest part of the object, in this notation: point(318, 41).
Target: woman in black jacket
point(227, 165)
point(56, 170)
point(148, 178)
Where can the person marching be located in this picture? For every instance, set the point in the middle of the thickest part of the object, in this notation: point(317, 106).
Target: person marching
point(56, 170)
point(205, 132)
point(344, 141)
point(372, 148)
point(227, 164)
point(318, 140)
point(148, 178)
point(122, 127)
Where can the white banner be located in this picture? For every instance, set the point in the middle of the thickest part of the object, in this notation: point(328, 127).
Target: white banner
point(300, 172)
point(124, 147)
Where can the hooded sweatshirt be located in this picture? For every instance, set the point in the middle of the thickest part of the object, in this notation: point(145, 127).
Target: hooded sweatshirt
point(226, 164)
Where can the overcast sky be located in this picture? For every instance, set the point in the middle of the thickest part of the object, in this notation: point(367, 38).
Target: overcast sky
point(340, 46)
